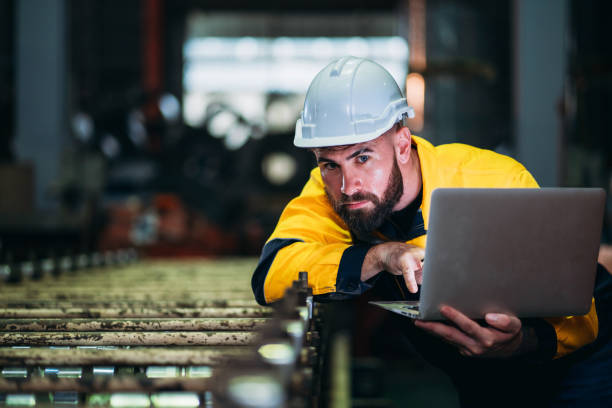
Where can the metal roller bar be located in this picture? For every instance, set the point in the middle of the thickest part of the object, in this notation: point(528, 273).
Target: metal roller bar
point(136, 275)
point(15, 313)
point(140, 356)
point(110, 282)
point(127, 289)
point(77, 325)
point(132, 273)
point(113, 400)
point(123, 297)
point(185, 304)
point(109, 384)
point(183, 338)
point(67, 266)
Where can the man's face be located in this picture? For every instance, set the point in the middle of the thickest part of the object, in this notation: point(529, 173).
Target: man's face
point(363, 182)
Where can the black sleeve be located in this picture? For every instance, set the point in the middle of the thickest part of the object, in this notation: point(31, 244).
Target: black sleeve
point(547, 339)
point(265, 261)
point(348, 281)
point(603, 303)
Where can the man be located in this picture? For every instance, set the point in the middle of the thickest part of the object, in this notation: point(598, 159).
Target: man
point(361, 220)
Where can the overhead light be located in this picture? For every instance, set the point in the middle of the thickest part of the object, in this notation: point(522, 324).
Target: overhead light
point(220, 124)
point(280, 116)
point(283, 47)
point(110, 146)
point(246, 48)
point(82, 126)
point(397, 48)
point(322, 48)
point(237, 136)
point(169, 107)
point(278, 168)
point(136, 128)
point(194, 113)
point(358, 47)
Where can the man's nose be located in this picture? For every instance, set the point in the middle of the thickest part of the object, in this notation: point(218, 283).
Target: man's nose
point(351, 183)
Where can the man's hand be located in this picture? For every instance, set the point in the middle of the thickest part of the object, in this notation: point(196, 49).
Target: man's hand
point(502, 338)
point(397, 258)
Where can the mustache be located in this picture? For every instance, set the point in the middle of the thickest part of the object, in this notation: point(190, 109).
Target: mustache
point(361, 196)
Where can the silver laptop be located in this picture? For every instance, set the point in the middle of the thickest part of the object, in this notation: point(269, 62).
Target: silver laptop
point(527, 252)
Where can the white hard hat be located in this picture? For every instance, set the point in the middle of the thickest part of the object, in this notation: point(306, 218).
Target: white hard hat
point(352, 100)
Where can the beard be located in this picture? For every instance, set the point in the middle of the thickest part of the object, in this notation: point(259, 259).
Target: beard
point(362, 222)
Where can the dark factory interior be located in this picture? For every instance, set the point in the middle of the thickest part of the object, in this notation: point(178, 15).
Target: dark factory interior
point(147, 152)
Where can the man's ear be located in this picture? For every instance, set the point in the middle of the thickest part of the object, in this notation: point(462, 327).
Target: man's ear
point(403, 144)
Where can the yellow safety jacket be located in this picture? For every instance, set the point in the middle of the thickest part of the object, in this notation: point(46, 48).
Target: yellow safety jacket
point(311, 237)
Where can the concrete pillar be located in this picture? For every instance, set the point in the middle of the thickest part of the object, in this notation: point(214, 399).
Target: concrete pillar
point(540, 66)
point(41, 79)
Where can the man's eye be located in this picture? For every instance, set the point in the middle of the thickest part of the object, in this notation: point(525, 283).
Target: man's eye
point(331, 166)
point(363, 158)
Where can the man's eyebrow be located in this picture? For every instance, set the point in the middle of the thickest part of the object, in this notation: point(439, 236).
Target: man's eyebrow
point(324, 160)
point(359, 152)
point(321, 159)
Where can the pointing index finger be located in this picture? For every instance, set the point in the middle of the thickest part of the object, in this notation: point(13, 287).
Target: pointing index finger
point(410, 279)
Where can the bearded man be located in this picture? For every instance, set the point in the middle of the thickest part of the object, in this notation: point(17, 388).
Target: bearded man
point(361, 220)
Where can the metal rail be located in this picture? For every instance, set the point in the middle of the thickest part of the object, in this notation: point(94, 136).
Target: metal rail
point(134, 356)
point(135, 324)
point(159, 312)
point(175, 338)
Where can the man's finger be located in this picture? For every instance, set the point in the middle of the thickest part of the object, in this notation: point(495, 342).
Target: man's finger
point(448, 333)
point(418, 275)
point(410, 280)
point(464, 323)
point(503, 322)
point(415, 270)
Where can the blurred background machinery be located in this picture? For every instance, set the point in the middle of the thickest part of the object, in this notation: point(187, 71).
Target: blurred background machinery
point(167, 127)
point(107, 106)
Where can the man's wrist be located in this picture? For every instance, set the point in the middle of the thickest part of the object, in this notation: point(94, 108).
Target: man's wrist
point(348, 280)
point(371, 263)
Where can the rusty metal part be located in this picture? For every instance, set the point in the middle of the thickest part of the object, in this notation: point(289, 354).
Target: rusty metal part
point(15, 313)
point(308, 356)
point(182, 338)
point(138, 356)
point(78, 325)
point(146, 297)
point(123, 304)
point(113, 285)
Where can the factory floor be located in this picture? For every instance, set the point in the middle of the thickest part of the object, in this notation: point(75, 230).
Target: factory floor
point(385, 371)
point(400, 383)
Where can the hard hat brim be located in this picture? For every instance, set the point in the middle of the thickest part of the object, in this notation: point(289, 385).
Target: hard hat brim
point(328, 141)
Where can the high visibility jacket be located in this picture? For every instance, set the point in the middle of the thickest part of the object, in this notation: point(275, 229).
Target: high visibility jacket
point(311, 237)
